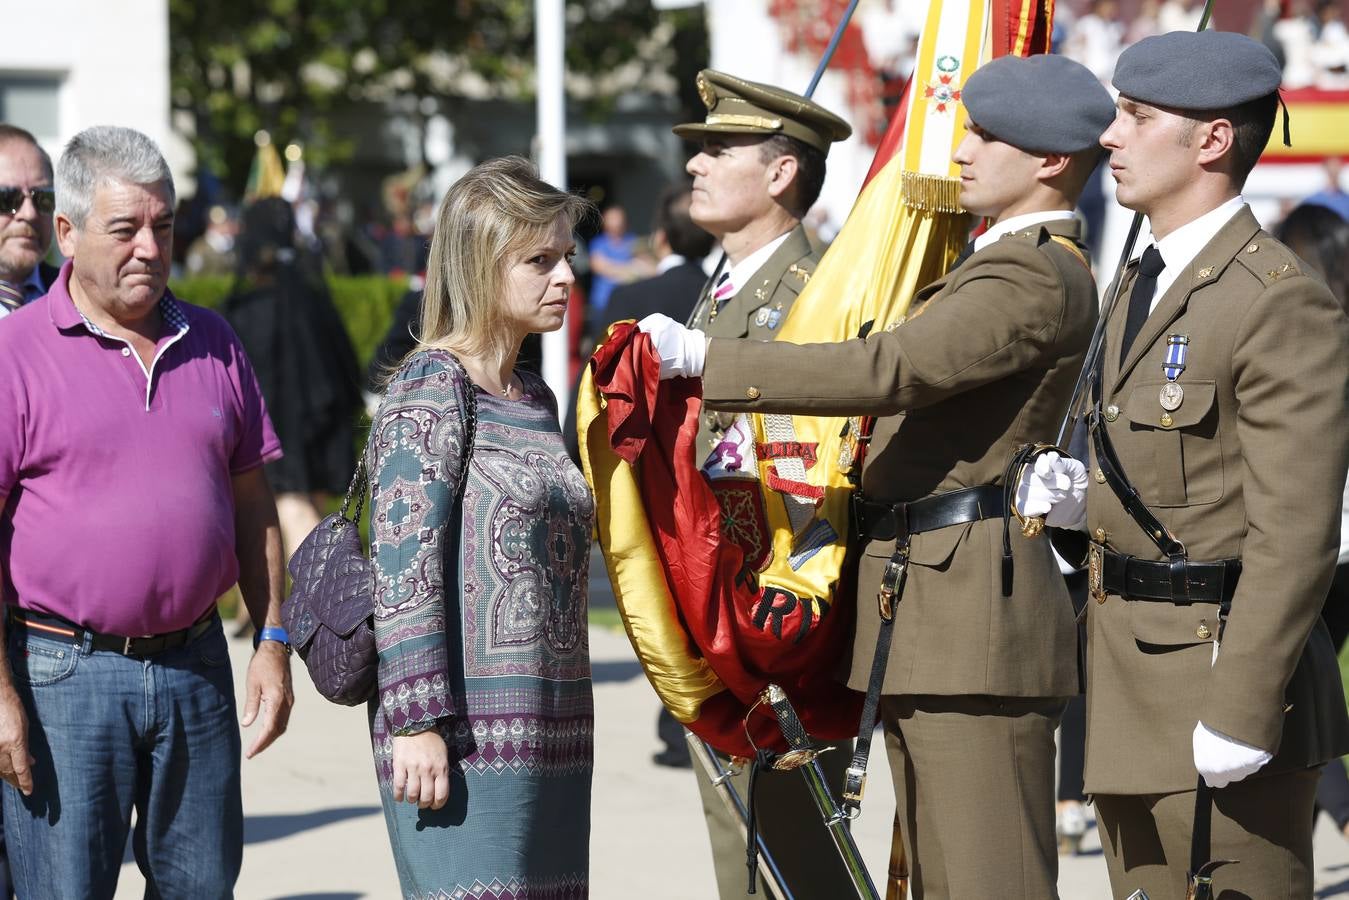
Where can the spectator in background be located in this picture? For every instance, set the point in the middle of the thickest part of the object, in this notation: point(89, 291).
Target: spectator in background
point(1179, 15)
point(1318, 232)
point(213, 252)
point(611, 260)
point(1144, 23)
point(1097, 39)
point(305, 365)
point(1330, 55)
point(26, 204)
point(679, 246)
point(1294, 36)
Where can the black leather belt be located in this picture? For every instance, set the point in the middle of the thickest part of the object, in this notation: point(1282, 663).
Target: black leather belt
point(886, 521)
point(1145, 579)
point(147, 645)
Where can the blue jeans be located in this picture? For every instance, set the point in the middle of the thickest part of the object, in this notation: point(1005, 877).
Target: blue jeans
point(110, 734)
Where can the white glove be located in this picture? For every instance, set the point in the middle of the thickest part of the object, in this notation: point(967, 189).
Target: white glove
point(1222, 760)
point(1054, 487)
point(682, 351)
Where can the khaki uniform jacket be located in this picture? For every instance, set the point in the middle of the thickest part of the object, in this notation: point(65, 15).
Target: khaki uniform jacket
point(986, 366)
point(773, 289)
point(1253, 467)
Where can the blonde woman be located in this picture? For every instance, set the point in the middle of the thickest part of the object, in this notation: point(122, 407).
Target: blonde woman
point(482, 726)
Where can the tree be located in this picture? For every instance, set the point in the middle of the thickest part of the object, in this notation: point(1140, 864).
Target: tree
point(286, 65)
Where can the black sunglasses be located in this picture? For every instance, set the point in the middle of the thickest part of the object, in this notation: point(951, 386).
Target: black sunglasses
point(11, 199)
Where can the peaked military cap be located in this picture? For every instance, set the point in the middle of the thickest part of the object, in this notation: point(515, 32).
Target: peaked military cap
point(737, 106)
point(1046, 103)
point(1197, 70)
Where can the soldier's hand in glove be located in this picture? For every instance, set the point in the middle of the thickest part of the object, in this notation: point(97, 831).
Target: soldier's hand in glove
point(1054, 487)
point(1221, 760)
point(681, 350)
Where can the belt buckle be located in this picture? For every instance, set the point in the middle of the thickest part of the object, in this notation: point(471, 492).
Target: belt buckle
point(126, 646)
point(1096, 572)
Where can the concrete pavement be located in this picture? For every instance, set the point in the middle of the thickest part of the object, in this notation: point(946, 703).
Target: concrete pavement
point(314, 830)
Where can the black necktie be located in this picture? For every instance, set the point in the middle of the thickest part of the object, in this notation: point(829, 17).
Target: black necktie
point(1140, 298)
point(964, 255)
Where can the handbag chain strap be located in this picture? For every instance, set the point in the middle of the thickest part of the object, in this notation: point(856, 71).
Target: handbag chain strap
point(468, 417)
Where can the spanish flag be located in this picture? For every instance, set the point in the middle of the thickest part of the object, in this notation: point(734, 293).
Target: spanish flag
point(730, 580)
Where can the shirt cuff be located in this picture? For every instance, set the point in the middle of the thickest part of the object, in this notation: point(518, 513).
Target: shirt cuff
point(414, 704)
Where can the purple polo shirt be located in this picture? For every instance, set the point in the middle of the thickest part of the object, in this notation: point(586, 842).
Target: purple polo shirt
point(119, 513)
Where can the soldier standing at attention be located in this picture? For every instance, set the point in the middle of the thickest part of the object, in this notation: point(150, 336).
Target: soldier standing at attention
point(760, 168)
point(1221, 401)
point(984, 650)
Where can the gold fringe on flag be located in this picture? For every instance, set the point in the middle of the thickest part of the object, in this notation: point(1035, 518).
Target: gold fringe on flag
point(931, 193)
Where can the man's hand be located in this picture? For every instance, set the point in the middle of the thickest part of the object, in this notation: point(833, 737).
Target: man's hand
point(682, 351)
point(269, 692)
point(421, 769)
point(15, 763)
point(1222, 760)
point(1054, 487)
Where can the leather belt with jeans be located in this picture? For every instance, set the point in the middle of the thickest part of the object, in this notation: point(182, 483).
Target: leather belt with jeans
point(141, 647)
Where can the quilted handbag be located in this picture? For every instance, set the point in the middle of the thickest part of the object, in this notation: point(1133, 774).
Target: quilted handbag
point(330, 613)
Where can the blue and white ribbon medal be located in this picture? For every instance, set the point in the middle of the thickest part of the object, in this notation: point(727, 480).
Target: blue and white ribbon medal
point(1177, 348)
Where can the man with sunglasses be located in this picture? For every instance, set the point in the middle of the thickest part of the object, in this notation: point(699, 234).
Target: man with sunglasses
point(26, 204)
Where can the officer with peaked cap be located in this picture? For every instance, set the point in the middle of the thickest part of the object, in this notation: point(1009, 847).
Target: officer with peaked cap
point(979, 669)
point(759, 169)
point(1222, 400)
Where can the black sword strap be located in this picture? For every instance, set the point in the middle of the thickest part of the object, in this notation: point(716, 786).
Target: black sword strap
point(1108, 462)
point(892, 588)
point(1201, 840)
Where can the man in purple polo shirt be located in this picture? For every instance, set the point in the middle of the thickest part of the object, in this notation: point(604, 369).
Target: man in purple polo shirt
point(132, 437)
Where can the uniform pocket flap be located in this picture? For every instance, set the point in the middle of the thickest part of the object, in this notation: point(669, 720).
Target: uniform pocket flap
point(935, 548)
point(1165, 624)
point(1145, 405)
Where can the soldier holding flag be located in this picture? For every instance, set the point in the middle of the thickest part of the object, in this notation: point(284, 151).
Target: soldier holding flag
point(983, 656)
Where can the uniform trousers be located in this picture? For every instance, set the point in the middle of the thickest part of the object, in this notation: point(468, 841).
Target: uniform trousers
point(974, 787)
point(792, 830)
point(1263, 822)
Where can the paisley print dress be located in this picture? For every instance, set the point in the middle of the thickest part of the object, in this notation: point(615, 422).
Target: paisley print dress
point(480, 621)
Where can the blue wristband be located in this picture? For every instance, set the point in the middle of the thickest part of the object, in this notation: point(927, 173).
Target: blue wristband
point(272, 633)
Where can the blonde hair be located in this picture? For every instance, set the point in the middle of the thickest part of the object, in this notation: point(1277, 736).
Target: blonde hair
point(488, 217)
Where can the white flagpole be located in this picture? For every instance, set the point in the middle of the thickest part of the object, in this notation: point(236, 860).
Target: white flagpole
point(551, 151)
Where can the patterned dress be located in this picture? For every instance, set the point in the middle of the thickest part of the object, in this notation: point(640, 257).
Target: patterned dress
point(480, 621)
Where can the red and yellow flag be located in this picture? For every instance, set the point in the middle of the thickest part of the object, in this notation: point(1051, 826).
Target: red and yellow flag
point(733, 575)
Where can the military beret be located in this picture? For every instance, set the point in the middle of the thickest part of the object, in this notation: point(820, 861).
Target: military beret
point(1201, 70)
point(737, 106)
point(1045, 103)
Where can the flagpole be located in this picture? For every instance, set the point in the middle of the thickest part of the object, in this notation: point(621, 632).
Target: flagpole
point(831, 48)
point(551, 151)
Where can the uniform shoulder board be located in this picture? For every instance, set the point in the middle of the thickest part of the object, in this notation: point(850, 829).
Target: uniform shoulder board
point(1268, 260)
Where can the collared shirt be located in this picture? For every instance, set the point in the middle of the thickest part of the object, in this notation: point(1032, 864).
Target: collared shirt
point(742, 273)
point(668, 262)
point(1180, 247)
point(1017, 223)
point(119, 509)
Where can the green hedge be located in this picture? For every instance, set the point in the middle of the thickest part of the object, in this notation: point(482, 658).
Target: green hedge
point(365, 302)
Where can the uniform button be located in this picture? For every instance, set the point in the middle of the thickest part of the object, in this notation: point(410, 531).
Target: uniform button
point(1111, 413)
point(1101, 535)
point(126, 351)
point(752, 393)
point(1202, 632)
point(1100, 477)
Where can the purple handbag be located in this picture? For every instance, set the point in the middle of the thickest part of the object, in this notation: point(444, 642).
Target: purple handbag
point(330, 613)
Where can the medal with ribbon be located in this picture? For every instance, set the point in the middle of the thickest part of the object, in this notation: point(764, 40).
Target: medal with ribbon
point(1172, 394)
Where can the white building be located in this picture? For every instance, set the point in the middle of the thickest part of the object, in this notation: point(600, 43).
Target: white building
point(70, 64)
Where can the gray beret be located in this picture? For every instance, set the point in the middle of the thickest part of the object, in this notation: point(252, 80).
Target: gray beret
point(1197, 70)
point(1045, 103)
